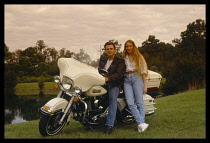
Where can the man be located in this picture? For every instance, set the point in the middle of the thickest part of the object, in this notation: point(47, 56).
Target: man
point(114, 80)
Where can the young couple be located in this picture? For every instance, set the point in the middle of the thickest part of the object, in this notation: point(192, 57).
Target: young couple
point(129, 71)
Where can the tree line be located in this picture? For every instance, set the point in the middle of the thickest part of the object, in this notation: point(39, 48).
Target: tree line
point(182, 64)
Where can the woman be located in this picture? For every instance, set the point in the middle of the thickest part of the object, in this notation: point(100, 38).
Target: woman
point(135, 82)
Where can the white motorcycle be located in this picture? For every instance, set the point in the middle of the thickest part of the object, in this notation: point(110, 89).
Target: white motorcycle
point(83, 98)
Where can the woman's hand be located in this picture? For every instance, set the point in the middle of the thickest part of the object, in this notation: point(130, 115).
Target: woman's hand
point(145, 90)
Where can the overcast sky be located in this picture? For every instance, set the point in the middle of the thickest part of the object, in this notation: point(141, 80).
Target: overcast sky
point(87, 27)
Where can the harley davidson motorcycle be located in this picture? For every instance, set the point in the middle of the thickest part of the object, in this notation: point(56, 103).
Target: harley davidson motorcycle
point(83, 98)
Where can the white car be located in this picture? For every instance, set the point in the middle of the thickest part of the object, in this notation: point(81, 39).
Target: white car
point(153, 81)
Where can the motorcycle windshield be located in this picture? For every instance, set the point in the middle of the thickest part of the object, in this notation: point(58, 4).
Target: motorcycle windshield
point(83, 75)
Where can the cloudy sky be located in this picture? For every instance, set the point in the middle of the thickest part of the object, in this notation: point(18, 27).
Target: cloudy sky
point(88, 27)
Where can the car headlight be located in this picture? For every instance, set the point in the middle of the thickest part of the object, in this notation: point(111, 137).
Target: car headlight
point(67, 83)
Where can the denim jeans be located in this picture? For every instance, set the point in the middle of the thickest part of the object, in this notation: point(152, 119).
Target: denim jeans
point(113, 94)
point(133, 88)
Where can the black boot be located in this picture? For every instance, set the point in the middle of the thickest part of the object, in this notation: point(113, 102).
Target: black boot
point(108, 129)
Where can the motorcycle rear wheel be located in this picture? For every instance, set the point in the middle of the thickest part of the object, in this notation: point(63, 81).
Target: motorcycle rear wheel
point(125, 116)
point(49, 125)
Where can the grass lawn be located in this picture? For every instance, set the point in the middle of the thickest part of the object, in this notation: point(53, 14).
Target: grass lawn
point(33, 88)
point(180, 116)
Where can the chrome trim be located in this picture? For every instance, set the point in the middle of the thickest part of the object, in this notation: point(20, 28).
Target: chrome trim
point(66, 110)
point(60, 94)
point(47, 113)
point(150, 113)
point(70, 93)
point(150, 104)
point(83, 120)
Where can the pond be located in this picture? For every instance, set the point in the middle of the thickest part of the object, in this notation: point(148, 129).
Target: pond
point(23, 108)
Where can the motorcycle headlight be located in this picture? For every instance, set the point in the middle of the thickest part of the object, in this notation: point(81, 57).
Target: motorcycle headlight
point(56, 79)
point(67, 83)
point(78, 90)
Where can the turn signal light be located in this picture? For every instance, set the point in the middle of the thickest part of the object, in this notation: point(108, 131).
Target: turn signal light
point(76, 99)
point(55, 88)
point(46, 107)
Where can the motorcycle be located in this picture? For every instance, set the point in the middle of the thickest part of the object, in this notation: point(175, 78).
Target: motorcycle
point(82, 97)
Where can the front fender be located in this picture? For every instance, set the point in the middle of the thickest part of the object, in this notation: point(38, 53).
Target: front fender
point(54, 105)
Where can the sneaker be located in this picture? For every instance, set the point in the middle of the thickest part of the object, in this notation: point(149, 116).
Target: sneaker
point(108, 129)
point(142, 127)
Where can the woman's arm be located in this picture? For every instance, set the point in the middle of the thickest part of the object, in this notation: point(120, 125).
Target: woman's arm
point(145, 83)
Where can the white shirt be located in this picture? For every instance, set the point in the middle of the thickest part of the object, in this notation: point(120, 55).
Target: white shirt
point(108, 63)
point(131, 66)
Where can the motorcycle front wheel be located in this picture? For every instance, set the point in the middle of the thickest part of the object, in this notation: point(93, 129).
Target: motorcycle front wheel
point(49, 125)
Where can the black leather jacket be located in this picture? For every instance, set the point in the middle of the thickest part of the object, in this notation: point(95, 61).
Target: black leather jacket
point(116, 71)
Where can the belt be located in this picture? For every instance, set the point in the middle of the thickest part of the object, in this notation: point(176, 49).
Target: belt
point(129, 72)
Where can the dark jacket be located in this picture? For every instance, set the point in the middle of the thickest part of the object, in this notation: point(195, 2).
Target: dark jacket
point(116, 71)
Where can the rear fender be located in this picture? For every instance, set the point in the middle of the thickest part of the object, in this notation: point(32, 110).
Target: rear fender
point(121, 104)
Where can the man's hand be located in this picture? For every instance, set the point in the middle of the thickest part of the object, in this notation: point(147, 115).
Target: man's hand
point(106, 79)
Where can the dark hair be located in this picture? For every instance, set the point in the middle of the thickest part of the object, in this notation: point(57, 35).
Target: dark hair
point(109, 43)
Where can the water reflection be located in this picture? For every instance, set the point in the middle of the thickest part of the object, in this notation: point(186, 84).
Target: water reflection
point(22, 108)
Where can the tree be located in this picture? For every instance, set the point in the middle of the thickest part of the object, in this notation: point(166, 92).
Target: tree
point(152, 51)
point(29, 52)
point(40, 45)
point(10, 81)
point(16, 55)
point(83, 57)
point(53, 54)
point(10, 77)
point(151, 45)
point(7, 54)
point(46, 53)
point(34, 56)
point(50, 54)
point(24, 66)
point(65, 53)
point(62, 52)
point(68, 54)
point(95, 63)
point(188, 67)
point(193, 40)
point(42, 68)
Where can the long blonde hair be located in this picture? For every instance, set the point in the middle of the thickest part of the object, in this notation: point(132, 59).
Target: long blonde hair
point(136, 55)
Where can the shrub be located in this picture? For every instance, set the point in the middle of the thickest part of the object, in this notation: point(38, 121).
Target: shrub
point(41, 84)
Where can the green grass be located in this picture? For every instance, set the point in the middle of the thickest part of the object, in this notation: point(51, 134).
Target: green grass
point(180, 116)
point(33, 88)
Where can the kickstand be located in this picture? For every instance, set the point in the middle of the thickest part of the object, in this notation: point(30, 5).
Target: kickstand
point(91, 128)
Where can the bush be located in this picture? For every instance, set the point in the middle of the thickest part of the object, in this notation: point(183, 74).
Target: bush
point(184, 73)
point(41, 84)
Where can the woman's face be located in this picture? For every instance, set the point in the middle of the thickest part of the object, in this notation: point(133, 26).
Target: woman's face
point(129, 47)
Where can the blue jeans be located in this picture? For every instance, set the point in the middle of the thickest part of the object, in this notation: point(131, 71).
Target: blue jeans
point(113, 94)
point(133, 88)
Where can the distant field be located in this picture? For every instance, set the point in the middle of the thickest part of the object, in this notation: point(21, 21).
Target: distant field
point(33, 88)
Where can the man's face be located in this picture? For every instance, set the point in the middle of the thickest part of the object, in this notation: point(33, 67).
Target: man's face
point(110, 51)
